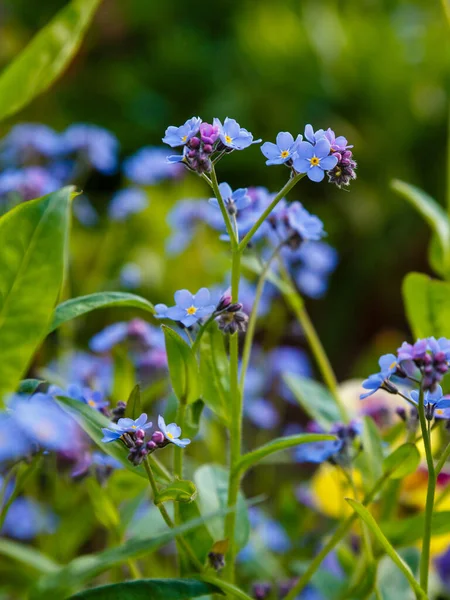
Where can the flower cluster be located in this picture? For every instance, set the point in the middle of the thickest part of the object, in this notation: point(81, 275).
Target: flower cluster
point(424, 363)
point(319, 153)
point(132, 432)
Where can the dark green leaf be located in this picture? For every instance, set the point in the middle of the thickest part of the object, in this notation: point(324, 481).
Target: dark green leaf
point(178, 491)
point(214, 372)
point(402, 462)
point(151, 589)
point(45, 57)
point(427, 305)
point(133, 409)
point(33, 244)
point(315, 399)
point(29, 386)
point(183, 368)
point(76, 307)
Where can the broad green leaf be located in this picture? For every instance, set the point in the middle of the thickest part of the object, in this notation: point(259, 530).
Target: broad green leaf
point(315, 399)
point(277, 445)
point(28, 555)
point(370, 462)
point(104, 509)
point(133, 408)
point(402, 462)
point(150, 589)
point(45, 57)
point(29, 386)
point(391, 583)
point(214, 372)
point(92, 422)
point(436, 260)
point(431, 211)
point(427, 305)
point(178, 491)
point(76, 307)
point(367, 518)
point(33, 244)
point(183, 368)
point(408, 531)
point(192, 419)
point(212, 486)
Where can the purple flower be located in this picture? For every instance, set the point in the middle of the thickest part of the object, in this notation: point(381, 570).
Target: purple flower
point(172, 433)
point(338, 144)
point(179, 136)
point(232, 135)
point(189, 308)
point(28, 183)
point(149, 165)
point(283, 150)
point(442, 563)
point(86, 370)
point(415, 351)
point(209, 134)
point(126, 202)
point(234, 201)
point(27, 141)
point(314, 160)
point(125, 425)
point(96, 145)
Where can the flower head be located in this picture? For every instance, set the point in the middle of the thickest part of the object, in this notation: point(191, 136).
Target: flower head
point(314, 160)
point(125, 425)
point(127, 202)
point(172, 433)
point(283, 150)
point(234, 201)
point(233, 136)
point(97, 145)
point(189, 308)
point(338, 144)
point(313, 136)
point(150, 165)
point(436, 405)
point(209, 134)
point(179, 136)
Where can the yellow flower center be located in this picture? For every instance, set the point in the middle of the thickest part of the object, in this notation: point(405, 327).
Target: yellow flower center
point(393, 364)
point(285, 154)
point(191, 310)
point(439, 411)
point(184, 138)
point(314, 161)
point(91, 403)
point(134, 427)
point(170, 436)
point(228, 139)
point(338, 172)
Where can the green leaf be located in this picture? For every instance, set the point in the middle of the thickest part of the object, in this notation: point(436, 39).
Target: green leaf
point(427, 305)
point(408, 531)
point(192, 420)
point(365, 516)
point(431, 211)
point(178, 491)
point(28, 555)
point(370, 462)
point(402, 462)
point(33, 244)
point(154, 589)
point(250, 459)
point(183, 368)
point(133, 409)
point(29, 386)
point(45, 57)
point(228, 588)
point(76, 307)
point(214, 373)
point(314, 398)
point(391, 583)
point(212, 485)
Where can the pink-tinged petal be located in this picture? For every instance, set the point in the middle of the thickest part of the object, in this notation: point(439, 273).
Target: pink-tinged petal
point(322, 148)
point(184, 298)
point(202, 297)
point(305, 150)
point(284, 140)
point(316, 174)
point(329, 162)
point(302, 165)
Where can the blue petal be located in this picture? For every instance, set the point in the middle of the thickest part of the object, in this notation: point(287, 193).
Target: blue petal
point(184, 298)
point(284, 140)
point(322, 148)
point(309, 134)
point(189, 320)
point(302, 165)
point(329, 162)
point(305, 150)
point(225, 191)
point(202, 297)
point(270, 150)
point(175, 313)
point(316, 174)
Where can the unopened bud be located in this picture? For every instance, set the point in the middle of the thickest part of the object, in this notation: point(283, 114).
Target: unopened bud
point(158, 437)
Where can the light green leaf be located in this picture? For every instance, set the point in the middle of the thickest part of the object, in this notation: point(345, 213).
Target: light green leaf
point(277, 445)
point(76, 307)
point(133, 409)
point(28, 555)
point(45, 57)
point(228, 588)
point(33, 244)
point(212, 485)
point(314, 398)
point(214, 373)
point(402, 462)
point(178, 491)
point(150, 589)
point(183, 368)
point(431, 211)
point(427, 305)
point(391, 583)
point(370, 462)
point(367, 518)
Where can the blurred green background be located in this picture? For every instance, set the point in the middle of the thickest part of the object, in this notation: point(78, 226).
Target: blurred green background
point(375, 71)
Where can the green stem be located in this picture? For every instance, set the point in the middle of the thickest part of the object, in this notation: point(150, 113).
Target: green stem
point(202, 330)
point(226, 217)
point(254, 316)
point(443, 459)
point(289, 185)
point(431, 489)
point(178, 459)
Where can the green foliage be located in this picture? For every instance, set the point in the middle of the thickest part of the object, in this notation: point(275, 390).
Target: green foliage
point(177, 491)
point(391, 582)
point(214, 373)
point(314, 398)
point(409, 530)
point(45, 57)
point(154, 589)
point(29, 386)
point(370, 461)
point(76, 307)
point(402, 462)
point(427, 305)
point(183, 368)
point(133, 409)
point(33, 245)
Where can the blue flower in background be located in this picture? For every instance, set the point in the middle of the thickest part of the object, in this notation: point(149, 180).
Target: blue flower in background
point(438, 406)
point(303, 223)
point(96, 145)
point(172, 433)
point(319, 257)
point(26, 519)
point(27, 141)
point(188, 308)
point(84, 211)
point(314, 160)
point(149, 166)
point(28, 182)
point(283, 150)
point(109, 337)
point(234, 201)
point(185, 218)
point(317, 452)
point(85, 369)
point(127, 202)
point(179, 136)
point(232, 135)
point(130, 276)
point(125, 425)
point(442, 563)
point(311, 284)
point(93, 398)
point(266, 531)
point(14, 444)
point(261, 412)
